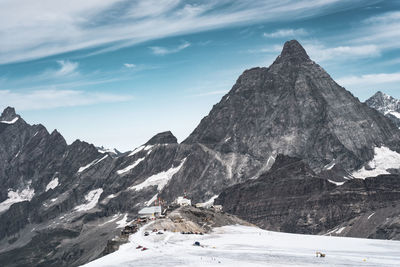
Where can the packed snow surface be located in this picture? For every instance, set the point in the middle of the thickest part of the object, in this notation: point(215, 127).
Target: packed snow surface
point(250, 246)
point(160, 179)
point(91, 200)
point(17, 196)
point(383, 160)
point(130, 167)
point(94, 162)
point(52, 184)
point(11, 121)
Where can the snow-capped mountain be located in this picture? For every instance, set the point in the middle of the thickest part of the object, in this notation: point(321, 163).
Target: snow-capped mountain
point(387, 105)
point(60, 203)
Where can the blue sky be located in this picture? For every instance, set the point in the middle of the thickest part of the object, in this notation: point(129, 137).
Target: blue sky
point(116, 72)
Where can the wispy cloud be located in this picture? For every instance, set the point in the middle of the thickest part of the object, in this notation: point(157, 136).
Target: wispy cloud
point(284, 33)
point(388, 17)
point(370, 79)
point(381, 31)
point(129, 65)
point(322, 53)
point(49, 99)
point(159, 50)
point(66, 68)
point(66, 71)
point(54, 27)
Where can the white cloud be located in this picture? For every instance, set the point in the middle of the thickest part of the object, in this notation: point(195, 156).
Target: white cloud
point(321, 53)
point(66, 71)
point(283, 33)
point(51, 98)
point(66, 68)
point(158, 50)
point(54, 27)
point(388, 17)
point(381, 30)
point(374, 79)
point(129, 65)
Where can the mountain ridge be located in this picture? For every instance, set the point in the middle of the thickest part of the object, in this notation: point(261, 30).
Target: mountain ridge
point(71, 199)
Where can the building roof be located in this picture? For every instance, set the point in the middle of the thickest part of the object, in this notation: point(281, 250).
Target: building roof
point(150, 210)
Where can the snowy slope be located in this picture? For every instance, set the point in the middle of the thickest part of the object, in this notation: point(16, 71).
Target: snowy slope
point(249, 246)
point(384, 160)
point(17, 196)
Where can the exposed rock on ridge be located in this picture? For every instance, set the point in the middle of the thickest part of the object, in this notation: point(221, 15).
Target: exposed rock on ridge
point(162, 138)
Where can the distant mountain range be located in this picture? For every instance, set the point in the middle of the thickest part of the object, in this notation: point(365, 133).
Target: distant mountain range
point(281, 150)
point(387, 105)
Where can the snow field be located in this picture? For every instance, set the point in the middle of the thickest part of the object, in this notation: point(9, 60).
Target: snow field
point(249, 246)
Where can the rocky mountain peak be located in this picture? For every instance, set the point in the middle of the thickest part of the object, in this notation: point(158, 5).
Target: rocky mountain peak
point(382, 99)
point(162, 138)
point(8, 114)
point(380, 94)
point(293, 51)
point(387, 105)
point(291, 108)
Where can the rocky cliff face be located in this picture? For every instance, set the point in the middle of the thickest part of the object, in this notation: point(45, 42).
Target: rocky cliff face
point(387, 105)
point(60, 203)
point(292, 198)
point(294, 108)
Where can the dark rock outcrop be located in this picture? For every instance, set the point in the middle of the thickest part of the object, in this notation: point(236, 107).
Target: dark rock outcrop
point(162, 138)
point(8, 114)
point(290, 197)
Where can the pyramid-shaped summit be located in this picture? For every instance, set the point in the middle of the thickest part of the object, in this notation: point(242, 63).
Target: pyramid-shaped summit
point(293, 51)
point(295, 108)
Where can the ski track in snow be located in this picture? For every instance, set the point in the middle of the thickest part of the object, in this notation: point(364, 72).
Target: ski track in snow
point(250, 246)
